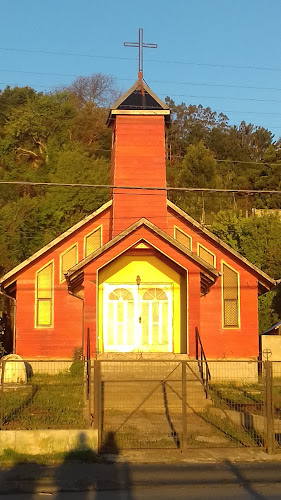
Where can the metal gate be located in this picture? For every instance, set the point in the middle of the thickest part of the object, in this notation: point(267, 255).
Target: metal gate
point(178, 403)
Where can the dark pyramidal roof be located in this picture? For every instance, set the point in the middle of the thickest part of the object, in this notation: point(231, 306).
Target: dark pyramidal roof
point(134, 100)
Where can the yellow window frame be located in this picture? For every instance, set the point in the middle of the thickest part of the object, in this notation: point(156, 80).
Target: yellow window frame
point(37, 299)
point(199, 245)
point(176, 228)
point(90, 234)
point(223, 263)
point(75, 245)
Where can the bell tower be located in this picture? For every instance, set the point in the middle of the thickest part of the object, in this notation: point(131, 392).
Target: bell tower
point(138, 121)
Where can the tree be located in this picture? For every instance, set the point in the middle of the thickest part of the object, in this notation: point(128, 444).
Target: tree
point(97, 88)
point(12, 98)
point(198, 169)
point(259, 240)
point(30, 127)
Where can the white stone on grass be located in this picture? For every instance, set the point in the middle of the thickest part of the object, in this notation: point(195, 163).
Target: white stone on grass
point(15, 371)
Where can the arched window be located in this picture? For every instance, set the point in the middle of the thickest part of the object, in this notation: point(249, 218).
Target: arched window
point(155, 293)
point(120, 293)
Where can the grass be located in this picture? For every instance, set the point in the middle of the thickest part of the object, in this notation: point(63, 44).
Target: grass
point(10, 458)
point(236, 433)
point(45, 402)
point(236, 396)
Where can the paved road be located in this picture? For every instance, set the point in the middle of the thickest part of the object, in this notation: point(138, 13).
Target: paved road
point(227, 481)
point(164, 493)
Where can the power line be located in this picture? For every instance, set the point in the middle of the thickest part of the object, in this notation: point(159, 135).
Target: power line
point(266, 164)
point(216, 85)
point(143, 188)
point(193, 97)
point(224, 98)
point(75, 75)
point(161, 61)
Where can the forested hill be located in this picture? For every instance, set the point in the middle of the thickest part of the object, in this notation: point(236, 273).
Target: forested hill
point(62, 137)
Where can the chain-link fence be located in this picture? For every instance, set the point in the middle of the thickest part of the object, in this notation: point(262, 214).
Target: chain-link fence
point(142, 403)
point(43, 395)
point(170, 404)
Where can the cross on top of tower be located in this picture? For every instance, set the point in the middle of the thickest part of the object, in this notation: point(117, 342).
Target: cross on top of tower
point(141, 45)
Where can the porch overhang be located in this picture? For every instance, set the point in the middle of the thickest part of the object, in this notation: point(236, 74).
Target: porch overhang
point(208, 274)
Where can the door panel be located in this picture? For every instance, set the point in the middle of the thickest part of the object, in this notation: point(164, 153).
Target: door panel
point(137, 318)
point(156, 319)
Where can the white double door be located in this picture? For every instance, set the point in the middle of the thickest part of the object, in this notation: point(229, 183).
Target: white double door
point(137, 318)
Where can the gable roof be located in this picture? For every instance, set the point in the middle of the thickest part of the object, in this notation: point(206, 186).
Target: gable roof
point(264, 279)
point(132, 99)
point(209, 271)
point(54, 242)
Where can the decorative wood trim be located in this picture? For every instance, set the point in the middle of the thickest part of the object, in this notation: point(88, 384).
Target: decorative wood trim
point(140, 112)
point(205, 267)
point(50, 245)
point(267, 282)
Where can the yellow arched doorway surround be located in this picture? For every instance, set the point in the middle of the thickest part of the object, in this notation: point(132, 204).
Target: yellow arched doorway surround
point(147, 314)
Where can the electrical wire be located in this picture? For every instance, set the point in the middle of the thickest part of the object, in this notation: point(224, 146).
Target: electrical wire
point(77, 75)
point(161, 61)
point(143, 188)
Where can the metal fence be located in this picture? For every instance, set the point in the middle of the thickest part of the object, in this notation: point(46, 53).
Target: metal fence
point(43, 395)
point(170, 404)
point(144, 403)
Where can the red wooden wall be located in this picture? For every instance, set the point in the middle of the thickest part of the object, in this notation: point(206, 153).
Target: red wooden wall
point(60, 341)
point(138, 159)
point(219, 342)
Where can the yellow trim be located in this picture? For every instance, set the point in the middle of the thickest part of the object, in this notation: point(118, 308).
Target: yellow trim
point(153, 272)
point(61, 257)
point(140, 112)
point(207, 250)
point(176, 228)
point(99, 291)
point(89, 234)
point(223, 263)
point(39, 327)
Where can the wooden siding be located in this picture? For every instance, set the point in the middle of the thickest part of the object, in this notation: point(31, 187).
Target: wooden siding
point(138, 159)
point(60, 341)
point(220, 342)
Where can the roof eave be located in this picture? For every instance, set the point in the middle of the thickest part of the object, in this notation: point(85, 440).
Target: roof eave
point(265, 281)
point(210, 271)
point(11, 276)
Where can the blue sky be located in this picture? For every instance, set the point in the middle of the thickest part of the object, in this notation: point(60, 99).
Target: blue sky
point(208, 51)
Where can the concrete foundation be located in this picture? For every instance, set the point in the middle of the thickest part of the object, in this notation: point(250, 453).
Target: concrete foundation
point(49, 441)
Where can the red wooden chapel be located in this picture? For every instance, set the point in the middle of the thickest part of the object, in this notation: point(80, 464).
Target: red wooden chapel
point(139, 274)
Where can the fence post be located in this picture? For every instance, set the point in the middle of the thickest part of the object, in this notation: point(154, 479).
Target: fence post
point(2, 394)
point(183, 385)
point(90, 390)
point(97, 399)
point(269, 415)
